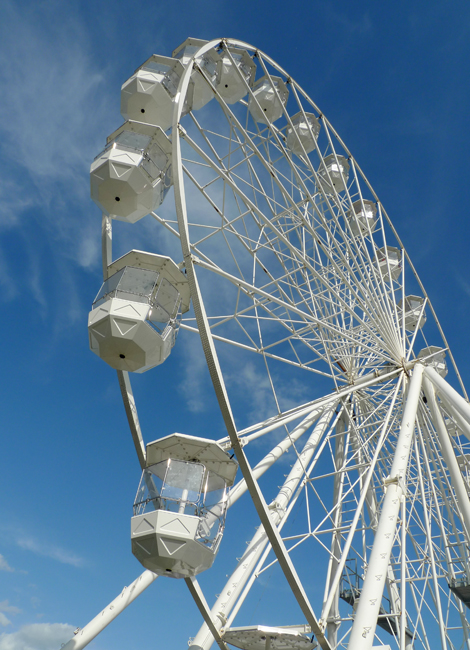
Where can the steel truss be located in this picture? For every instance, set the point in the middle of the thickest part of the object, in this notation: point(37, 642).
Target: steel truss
point(288, 293)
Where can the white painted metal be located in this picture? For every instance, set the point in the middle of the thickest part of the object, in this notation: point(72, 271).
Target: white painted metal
point(148, 95)
point(180, 507)
point(237, 580)
point(262, 637)
point(203, 607)
point(278, 451)
point(363, 629)
point(236, 74)
point(443, 387)
point(268, 99)
point(334, 174)
point(135, 317)
point(132, 175)
point(389, 262)
point(193, 449)
point(218, 381)
point(303, 134)
point(290, 268)
point(341, 440)
point(413, 312)
point(449, 455)
point(132, 417)
point(435, 357)
point(210, 63)
point(362, 217)
point(83, 636)
point(365, 494)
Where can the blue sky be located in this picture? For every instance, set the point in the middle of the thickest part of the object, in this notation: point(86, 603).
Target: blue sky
point(393, 79)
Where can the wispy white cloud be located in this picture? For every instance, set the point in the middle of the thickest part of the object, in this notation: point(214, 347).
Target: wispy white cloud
point(196, 380)
point(51, 94)
point(35, 602)
point(6, 607)
point(4, 566)
point(57, 108)
point(49, 550)
point(463, 282)
point(360, 25)
point(55, 103)
point(39, 636)
point(10, 609)
point(13, 202)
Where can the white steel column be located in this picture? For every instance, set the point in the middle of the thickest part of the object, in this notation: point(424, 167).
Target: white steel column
point(236, 582)
point(372, 509)
point(449, 456)
point(86, 634)
point(333, 615)
point(450, 394)
point(363, 630)
point(132, 417)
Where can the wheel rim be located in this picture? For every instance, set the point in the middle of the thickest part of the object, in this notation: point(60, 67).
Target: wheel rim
point(283, 272)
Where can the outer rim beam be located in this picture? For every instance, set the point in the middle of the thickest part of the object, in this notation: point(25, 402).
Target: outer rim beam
point(235, 590)
point(215, 371)
point(132, 417)
point(201, 603)
point(449, 455)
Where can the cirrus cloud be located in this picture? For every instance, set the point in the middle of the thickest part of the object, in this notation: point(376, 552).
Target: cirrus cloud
point(39, 636)
point(4, 566)
point(54, 552)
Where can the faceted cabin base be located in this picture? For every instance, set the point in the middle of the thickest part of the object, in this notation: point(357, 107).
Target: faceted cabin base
point(132, 175)
point(270, 100)
point(135, 316)
point(260, 637)
point(164, 542)
point(302, 135)
point(333, 174)
point(362, 218)
point(120, 335)
point(233, 78)
point(148, 95)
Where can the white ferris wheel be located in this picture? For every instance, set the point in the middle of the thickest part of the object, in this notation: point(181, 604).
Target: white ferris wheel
point(290, 272)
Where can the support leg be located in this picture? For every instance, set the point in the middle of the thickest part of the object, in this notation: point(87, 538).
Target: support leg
point(363, 630)
point(86, 634)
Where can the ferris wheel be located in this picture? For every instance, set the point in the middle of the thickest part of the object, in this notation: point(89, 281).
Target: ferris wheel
point(321, 342)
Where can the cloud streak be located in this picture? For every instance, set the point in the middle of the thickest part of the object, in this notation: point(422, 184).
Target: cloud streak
point(11, 609)
point(39, 636)
point(4, 566)
point(51, 551)
point(54, 106)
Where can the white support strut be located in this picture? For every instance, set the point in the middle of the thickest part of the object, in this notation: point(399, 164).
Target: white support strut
point(342, 431)
point(214, 367)
point(265, 463)
point(86, 634)
point(363, 630)
point(236, 582)
point(449, 456)
point(448, 393)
